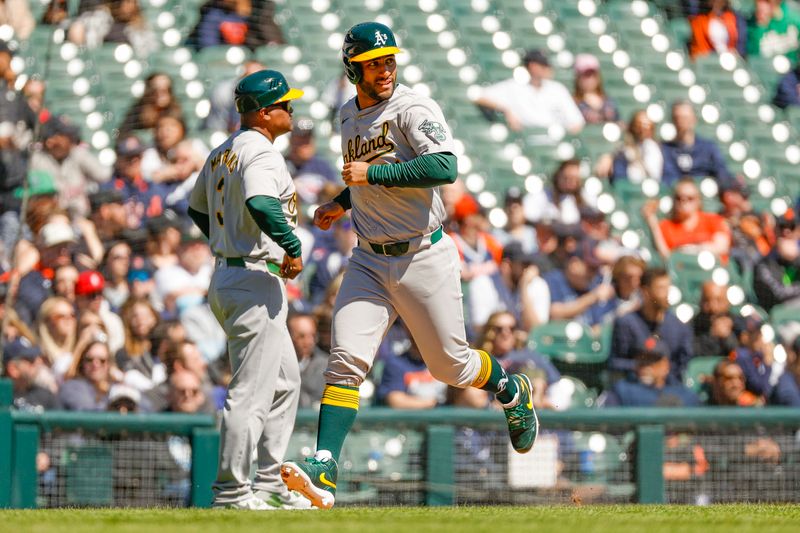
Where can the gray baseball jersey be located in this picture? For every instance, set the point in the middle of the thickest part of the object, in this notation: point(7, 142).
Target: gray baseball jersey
point(247, 164)
point(405, 126)
point(250, 304)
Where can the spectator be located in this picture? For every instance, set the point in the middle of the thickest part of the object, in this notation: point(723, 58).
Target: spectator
point(517, 228)
point(88, 380)
point(652, 319)
point(22, 363)
point(689, 154)
point(539, 103)
point(164, 239)
point(652, 385)
point(626, 278)
point(727, 387)
point(222, 115)
point(755, 357)
point(108, 214)
point(640, 157)
point(33, 91)
point(73, 166)
point(502, 338)
point(184, 356)
point(89, 297)
point(236, 22)
point(186, 394)
point(338, 91)
point(328, 263)
point(56, 14)
point(17, 14)
point(787, 93)
point(57, 331)
point(141, 368)
point(717, 29)
point(579, 292)
point(773, 29)
point(142, 199)
point(64, 280)
point(160, 163)
point(119, 21)
point(309, 171)
point(406, 382)
point(123, 399)
point(776, 279)
point(116, 269)
point(688, 229)
point(752, 234)
point(185, 284)
point(563, 201)
point(596, 231)
point(595, 106)
point(713, 325)
point(157, 100)
point(312, 359)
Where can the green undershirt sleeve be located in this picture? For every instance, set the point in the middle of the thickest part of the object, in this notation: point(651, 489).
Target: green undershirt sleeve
point(343, 199)
point(201, 220)
point(268, 215)
point(429, 170)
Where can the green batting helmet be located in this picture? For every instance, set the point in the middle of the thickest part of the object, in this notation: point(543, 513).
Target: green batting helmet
point(262, 89)
point(363, 42)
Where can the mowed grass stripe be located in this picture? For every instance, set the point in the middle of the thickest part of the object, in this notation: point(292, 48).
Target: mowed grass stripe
point(560, 519)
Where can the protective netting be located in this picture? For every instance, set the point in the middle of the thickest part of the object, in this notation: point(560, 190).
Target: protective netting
point(81, 469)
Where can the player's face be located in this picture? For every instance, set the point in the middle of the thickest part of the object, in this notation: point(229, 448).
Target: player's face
point(380, 76)
point(280, 117)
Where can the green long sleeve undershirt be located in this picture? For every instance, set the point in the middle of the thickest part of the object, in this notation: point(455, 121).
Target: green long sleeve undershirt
point(201, 220)
point(429, 170)
point(268, 215)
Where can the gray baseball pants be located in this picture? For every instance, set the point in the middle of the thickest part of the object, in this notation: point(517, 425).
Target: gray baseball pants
point(261, 403)
point(423, 288)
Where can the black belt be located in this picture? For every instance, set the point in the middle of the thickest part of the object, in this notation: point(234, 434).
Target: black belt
point(240, 262)
point(401, 248)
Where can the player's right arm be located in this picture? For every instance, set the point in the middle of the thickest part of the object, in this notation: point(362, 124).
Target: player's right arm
point(198, 205)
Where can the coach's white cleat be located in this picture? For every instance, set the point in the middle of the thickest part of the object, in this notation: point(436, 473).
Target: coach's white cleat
point(289, 500)
point(251, 503)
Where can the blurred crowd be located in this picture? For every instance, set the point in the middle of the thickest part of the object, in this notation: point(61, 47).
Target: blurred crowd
point(107, 277)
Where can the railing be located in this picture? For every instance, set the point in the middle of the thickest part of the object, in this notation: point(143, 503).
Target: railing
point(443, 456)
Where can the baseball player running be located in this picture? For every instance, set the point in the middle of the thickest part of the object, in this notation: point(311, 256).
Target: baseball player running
point(245, 203)
point(397, 152)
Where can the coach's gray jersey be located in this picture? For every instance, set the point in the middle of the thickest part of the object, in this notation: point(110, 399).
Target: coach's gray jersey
point(245, 165)
point(397, 130)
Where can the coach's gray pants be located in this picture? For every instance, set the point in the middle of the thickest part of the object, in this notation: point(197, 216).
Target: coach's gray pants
point(262, 397)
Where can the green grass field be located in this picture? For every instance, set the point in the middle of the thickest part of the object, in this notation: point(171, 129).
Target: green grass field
point(648, 519)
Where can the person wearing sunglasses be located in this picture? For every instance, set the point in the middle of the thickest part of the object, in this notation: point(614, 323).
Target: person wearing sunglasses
point(245, 203)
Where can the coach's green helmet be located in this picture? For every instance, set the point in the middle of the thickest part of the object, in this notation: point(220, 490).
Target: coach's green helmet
point(261, 89)
point(363, 42)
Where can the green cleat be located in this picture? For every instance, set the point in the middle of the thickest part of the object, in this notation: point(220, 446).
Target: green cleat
point(314, 479)
point(523, 426)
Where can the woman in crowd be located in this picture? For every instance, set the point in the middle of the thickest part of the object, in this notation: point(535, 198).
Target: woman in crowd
point(157, 100)
point(589, 94)
point(141, 367)
point(116, 267)
point(57, 333)
point(640, 157)
point(89, 379)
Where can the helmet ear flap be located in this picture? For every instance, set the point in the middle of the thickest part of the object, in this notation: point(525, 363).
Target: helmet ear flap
point(352, 70)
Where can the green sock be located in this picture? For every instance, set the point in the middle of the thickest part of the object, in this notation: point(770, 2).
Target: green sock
point(493, 378)
point(336, 416)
